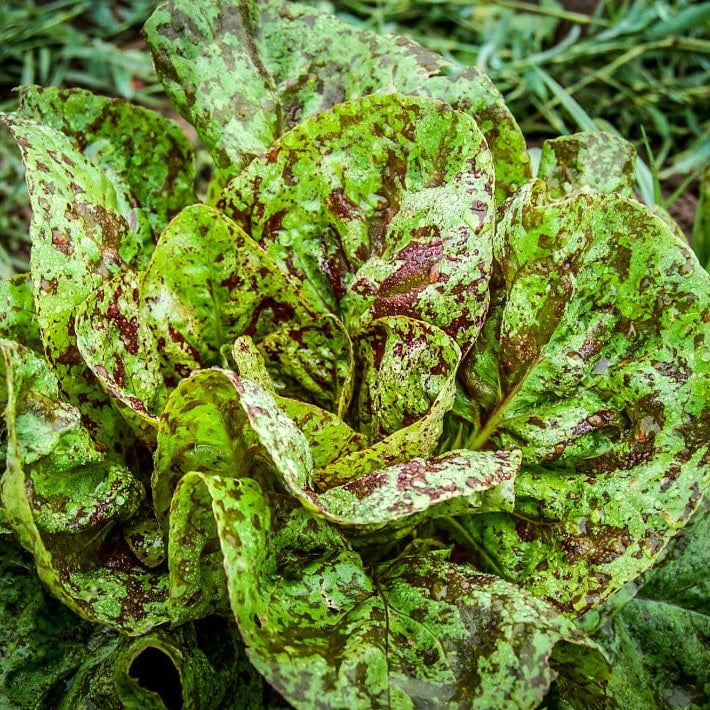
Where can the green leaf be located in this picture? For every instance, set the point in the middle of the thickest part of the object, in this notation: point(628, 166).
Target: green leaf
point(17, 313)
point(328, 436)
point(131, 144)
point(323, 630)
point(659, 643)
point(78, 235)
point(404, 367)
point(218, 423)
point(588, 159)
point(65, 500)
point(598, 365)
point(452, 484)
point(119, 347)
point(384, 498)
point(203, 428)
point(209, 283)
point(245, 72)
point(380, 206)
point(407, 381)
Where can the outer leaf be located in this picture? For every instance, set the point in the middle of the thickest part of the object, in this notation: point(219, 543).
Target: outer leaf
point(200, 665)
point(599, 367)
point(64, 500)
point(588, 159)
point(245, 72)
point(660, 641)
point(119, 347)
point(78, 235)
point(325, 634)
point(133, 145)
point(208, 283)
point(42, 641)
point(381, 206)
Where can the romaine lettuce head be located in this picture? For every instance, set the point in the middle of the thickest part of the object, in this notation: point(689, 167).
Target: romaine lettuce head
point(395, 416)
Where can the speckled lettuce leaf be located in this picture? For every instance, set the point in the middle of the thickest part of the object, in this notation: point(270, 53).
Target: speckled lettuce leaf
point(244, 72)
point(596, 370)
point(380, 206)
point(66, 501)
point(18, 321)
point(594, 159)
point(406, 385)
point(404, 367)
point(209, 283)
point(133, 145)
point(79, 238)
point(659, 643)
point(312, 361)
point(455, 482)
point(325, 631)
point(117, 344)
point(328, 436)
point(203, 430)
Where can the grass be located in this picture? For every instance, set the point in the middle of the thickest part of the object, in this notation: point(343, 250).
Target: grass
point(640, 68)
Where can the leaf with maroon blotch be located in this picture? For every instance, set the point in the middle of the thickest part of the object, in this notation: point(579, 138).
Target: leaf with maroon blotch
point(65, 501)
point(599, 364)
point(140, 149)
point(325, 629)
point(381, 206)
point(208, 283)
point(78, 233)
point(119, 347)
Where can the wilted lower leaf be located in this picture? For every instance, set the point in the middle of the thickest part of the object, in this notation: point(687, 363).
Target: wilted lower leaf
point(42, 641)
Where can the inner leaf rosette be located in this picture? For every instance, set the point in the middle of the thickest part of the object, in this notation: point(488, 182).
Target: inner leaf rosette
point(594, 362)
point(381, 206)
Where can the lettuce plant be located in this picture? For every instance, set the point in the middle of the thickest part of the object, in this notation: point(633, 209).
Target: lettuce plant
point(387, 422)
